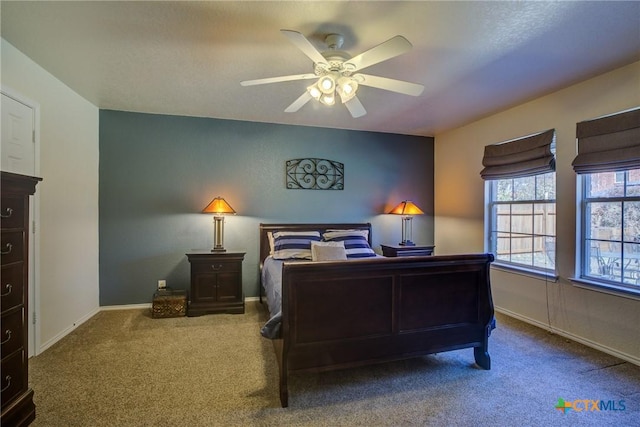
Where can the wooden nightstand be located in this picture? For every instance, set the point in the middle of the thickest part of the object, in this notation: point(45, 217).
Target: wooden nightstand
point(216, 283)
point(399, 250)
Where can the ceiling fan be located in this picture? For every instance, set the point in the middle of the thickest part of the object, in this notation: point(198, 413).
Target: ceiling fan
point(337, 73)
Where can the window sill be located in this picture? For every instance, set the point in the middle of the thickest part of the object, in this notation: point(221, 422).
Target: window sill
point(610, 289)
point(536, 274)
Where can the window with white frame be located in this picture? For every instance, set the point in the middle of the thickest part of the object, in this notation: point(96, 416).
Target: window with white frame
point(611, 228)
point(522, 221)
point(608, 163)
point(521, 204)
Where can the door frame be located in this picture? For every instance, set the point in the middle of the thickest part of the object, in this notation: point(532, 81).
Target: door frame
point(34, 228)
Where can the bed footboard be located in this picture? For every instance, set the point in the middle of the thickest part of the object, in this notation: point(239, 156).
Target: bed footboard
point(343, 314)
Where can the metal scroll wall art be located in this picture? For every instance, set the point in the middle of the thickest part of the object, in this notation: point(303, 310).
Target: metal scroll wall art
point(315, 174)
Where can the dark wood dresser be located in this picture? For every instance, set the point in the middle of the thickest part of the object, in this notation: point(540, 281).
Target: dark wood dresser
point(17, 398)
point(216, 283)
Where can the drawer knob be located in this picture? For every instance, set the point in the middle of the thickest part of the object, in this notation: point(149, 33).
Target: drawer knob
point(216, 267)
point(7, 213)
point(8, 335)
point(8, 380)
point(8, 287)
point(9, 246)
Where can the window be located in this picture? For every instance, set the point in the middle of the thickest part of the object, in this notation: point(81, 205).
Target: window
point(611, 228)
point(522, 221)
point(521, 202)
point(608, 165)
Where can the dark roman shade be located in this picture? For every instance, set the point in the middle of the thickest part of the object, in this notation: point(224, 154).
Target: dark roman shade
point(608, 144)
point(530, 155)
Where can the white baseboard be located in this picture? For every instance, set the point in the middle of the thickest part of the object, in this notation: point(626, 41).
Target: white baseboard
point(68, 330)
point(125, 307)
point(44, 346)
point(88, 316)
point(525, 319)
point(585, 341)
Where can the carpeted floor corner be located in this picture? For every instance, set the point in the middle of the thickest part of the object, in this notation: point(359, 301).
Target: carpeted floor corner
point(123, 368)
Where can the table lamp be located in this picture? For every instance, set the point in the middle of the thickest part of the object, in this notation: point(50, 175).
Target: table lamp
point(218, 207)
point(407, 209)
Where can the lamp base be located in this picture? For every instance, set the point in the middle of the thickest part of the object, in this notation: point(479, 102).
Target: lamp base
point(218, 234)
point(407, 243)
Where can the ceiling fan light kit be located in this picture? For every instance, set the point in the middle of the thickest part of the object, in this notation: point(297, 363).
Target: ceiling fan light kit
point(346, 88)
point(314, 91)
point(327, 84)
point(328, 99)
point(335, 72)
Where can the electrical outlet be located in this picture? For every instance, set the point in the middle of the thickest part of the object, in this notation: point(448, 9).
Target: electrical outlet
point(162, 284)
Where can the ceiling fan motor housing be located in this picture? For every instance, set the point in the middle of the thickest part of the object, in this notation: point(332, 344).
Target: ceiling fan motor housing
point(335, 57)
point(336, 60)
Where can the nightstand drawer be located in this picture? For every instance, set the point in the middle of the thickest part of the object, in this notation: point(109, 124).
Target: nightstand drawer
point(216, 267)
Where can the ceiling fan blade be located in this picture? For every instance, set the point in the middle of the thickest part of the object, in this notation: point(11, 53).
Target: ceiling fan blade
point(391, 48)
point(302, 43)
point(392, 85)
point(298, 103)
point(278, 79)
point(355, 107)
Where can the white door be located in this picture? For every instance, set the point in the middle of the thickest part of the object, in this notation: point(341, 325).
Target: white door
point(18, 137)
point(18, 155)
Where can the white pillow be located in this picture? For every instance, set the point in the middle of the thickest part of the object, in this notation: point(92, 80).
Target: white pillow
point(328, 251)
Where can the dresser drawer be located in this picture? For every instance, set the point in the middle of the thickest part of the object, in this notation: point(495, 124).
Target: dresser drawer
point(11, 286)
point(216, 267)
point(12, 212)
point(12, 378)
point(11, 247)
point(11, 333)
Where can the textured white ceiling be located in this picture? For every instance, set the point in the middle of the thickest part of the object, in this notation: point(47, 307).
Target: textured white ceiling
point(188, 58)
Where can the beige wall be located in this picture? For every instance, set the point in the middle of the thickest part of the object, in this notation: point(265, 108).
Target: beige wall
point(608, 322)
point(67, 271)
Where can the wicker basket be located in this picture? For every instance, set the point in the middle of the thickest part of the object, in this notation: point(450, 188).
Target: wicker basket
point(169, 303)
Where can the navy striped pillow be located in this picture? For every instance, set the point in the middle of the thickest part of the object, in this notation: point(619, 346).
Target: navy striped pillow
point(294, 244)
point(356, 242)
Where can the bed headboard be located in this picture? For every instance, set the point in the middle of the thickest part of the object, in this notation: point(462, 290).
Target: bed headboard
point(265, 228)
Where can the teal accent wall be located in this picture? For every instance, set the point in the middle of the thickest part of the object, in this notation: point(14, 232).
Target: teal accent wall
point(158, 172)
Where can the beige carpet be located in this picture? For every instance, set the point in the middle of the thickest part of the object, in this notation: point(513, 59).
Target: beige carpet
point(123, 368)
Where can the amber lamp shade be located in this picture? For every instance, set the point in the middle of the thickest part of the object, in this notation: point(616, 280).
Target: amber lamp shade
point(407, 209)
point(218, 207)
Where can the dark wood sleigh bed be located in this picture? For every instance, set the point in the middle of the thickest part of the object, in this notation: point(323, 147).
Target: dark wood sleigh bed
point(340, 314)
